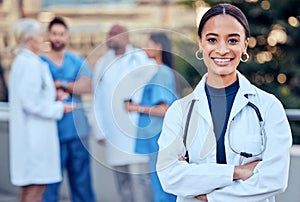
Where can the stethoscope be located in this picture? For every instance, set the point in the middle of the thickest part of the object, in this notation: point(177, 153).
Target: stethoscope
point(241, 153)
point(262, 135)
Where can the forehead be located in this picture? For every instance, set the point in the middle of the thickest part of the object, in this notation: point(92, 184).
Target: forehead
point(222, 24)
point(58, 28)
point(115, 30)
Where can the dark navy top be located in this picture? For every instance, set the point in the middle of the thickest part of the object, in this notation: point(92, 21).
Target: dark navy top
point(220, 101)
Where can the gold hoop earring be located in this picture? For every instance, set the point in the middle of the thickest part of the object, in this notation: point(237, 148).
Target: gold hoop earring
point(197, 56)
point(245, 57)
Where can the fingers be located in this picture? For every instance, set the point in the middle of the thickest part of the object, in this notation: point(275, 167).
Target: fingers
point(181, 158)
point(202, 197)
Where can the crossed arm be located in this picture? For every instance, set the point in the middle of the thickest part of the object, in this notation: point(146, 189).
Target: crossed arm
point(242, 172)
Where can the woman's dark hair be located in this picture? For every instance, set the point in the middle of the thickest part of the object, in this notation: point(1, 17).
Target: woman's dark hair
point(162, 38)
point(222, 9)
point(57, 20)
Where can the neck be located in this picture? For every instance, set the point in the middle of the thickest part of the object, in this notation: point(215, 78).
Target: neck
point(57, 54)
point(28, 47)
point(221, 81)
point(56, 57)
point(120, 50)
point(158, 60)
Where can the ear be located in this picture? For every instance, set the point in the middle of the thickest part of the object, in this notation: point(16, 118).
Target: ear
point(28, 39)
point(246, 45)
point(158, 46)
point(200, 44)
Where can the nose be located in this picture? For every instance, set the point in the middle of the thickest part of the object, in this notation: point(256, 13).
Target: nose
point(222, 48)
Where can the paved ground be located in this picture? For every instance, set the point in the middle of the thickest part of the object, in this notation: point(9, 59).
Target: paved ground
point(8, 198)
point(4, 197)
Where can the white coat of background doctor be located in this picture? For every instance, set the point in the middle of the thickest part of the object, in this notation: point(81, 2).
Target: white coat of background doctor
point(118, 76)
point(33, 138)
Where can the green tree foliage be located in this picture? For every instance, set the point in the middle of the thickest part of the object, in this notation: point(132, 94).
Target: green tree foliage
point(274, 46)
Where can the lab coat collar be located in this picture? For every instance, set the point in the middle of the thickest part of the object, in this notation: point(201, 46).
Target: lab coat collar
point(128, 50)
point(240, 101)
point(245, 86)
point(27, 52)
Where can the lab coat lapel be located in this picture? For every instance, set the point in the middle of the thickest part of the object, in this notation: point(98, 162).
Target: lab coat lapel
point(202, 104)
point(240, 100)
point(202, 114)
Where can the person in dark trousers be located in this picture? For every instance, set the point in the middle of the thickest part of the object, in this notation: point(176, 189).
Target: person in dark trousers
point(70, 74)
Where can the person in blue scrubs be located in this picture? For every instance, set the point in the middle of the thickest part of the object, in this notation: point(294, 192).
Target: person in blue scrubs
point(158, 95)
point(72, 75)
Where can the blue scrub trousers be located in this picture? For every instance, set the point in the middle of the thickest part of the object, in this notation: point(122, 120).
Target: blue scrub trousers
point(159, 194)
point(75, 159)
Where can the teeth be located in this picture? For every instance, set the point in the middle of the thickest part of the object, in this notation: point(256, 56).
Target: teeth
point(221, 60)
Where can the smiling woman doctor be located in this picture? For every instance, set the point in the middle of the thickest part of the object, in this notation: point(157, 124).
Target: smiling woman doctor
point(237, 136)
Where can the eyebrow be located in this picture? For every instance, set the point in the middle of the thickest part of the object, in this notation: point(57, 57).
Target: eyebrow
point(230, 35)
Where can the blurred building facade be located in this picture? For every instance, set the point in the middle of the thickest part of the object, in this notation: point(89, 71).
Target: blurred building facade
point(89, 20)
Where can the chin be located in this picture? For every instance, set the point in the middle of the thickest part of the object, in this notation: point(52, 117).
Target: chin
point(225, 72)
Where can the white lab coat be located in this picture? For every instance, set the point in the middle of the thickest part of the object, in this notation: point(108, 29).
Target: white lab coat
point(202, 175)
point(34, 144)
point(116, 79)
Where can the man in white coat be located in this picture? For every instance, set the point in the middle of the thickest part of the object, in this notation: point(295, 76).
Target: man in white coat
point(119, 76)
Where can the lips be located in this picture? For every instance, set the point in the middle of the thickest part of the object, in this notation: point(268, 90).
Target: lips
point(222, 61)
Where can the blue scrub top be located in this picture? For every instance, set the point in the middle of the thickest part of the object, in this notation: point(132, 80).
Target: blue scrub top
point(161, 88)
point(73, 124)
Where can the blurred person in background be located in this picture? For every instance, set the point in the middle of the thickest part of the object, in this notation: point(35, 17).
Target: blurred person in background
point(71, 74)
point(34, 144)
point(119, 76)
point(159, 93)
point(3, 86)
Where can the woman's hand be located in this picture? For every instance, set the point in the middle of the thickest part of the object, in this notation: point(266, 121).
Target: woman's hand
point(181, 158)
point(244, 172)
point(131, 107)
point(68, 108)
point(201, 197)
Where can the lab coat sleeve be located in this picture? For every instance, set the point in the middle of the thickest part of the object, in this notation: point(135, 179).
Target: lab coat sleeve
point(179, 177)
point(271, 174)
point(97, 74)
point(31, 95)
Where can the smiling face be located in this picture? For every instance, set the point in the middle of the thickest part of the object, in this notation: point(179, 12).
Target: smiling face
point(222, 43)
point(58, 37)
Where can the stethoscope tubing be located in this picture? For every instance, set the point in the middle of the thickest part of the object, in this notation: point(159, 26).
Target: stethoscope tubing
point(262, 133)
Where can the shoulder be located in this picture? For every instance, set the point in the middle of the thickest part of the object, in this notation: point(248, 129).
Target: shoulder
point(31, 60)
point(107, 56)
point(267, 101)
point(181, 105)
point(164, 72)
point(256, 94)
point(264, 96)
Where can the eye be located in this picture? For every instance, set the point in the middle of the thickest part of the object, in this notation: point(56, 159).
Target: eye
point(212, 40)
point(233, 41)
